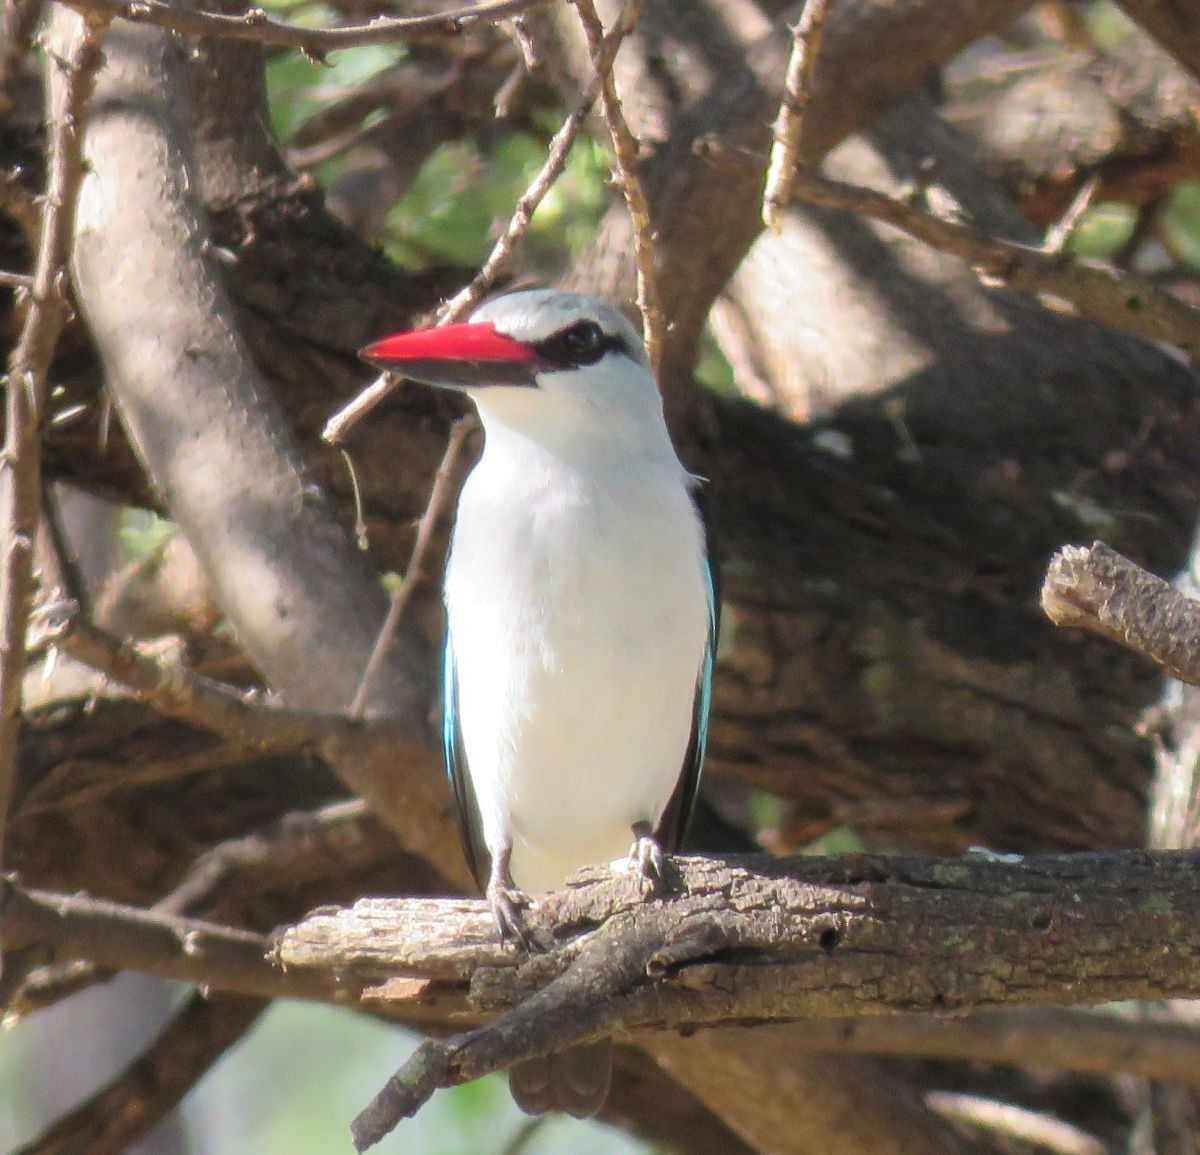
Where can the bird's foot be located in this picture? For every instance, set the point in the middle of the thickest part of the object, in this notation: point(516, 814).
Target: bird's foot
point(506, 901)
point(646, 858)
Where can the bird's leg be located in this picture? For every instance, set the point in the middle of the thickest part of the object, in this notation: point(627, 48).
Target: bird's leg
point(646, 856)
point(506, 899)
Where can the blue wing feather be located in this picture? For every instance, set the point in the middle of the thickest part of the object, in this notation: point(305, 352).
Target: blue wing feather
point(470, 828)
point(672, 827)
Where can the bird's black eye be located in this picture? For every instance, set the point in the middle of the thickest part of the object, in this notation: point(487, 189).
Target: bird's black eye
point(584, 343)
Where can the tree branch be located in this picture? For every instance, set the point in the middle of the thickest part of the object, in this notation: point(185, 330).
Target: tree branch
point(1120, 299)
point(1099, 1042)
point(256, 26)
point(625, 151)
point(305, 604)
point(72, 82)
point(131, 1105)
point(778, 942)
point(1095, 588)
point(789, 121)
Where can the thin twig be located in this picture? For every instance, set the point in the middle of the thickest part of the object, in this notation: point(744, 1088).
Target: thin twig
point(626, 151)
point(789, 123)
point(291, 835)
point(1028, 1127)
point(446, 485)
point(132, 1104)
point(339, 425)
point(124, 938)
point(27, 386)
point(556, 158)
point(252, 720)
point(1097, 589)
point(256, 26)
point(15, 280)
point(1120, 299)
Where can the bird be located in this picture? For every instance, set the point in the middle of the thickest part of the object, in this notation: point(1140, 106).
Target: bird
point(582, 615)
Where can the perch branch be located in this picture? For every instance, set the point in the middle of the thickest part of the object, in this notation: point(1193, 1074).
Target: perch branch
point(779, 942)
point(27, 382)
point(789, 122)
point(1095, 588)
point(740, 940)
point(256, 26)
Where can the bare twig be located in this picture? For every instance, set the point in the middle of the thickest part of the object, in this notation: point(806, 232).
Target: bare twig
point(256, 26)
point(120, 937)
point(291, 834)
point(789, 123)
point(1028, 1127)
point(27, 382)
point(340, 834)
point(556, 158)
point(1096, 290)
point(1095, 588)
point(446, 485)
point(251, 719)
point(339, 425)
point(16, 280)
point(127, 1108)
point(626, 152)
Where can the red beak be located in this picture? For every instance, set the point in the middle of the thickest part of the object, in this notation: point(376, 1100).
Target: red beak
point(467, 356)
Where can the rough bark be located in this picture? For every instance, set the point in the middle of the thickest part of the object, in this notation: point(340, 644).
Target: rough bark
point(756, 939)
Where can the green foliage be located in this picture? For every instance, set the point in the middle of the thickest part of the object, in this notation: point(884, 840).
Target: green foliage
point(1103, 230)
point(465, 193)
point(1181, 223)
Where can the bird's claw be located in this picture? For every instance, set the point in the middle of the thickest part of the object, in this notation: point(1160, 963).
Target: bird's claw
point(506, 902)
point(646, 858)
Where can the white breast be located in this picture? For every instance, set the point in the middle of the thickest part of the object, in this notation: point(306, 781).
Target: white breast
point(578, 607)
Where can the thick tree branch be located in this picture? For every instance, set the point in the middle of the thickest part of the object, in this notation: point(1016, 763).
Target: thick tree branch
point(256, 26)
point(704, 225)
point(305, 604)
point(131, 1105)
point(1095, 588)
point(779, 942)
point(1068, 1039)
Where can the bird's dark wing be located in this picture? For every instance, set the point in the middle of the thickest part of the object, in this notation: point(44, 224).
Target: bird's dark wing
point(674, 823)
point(470, 828)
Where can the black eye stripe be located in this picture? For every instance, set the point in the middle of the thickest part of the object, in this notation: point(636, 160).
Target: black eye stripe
point(582, 343)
